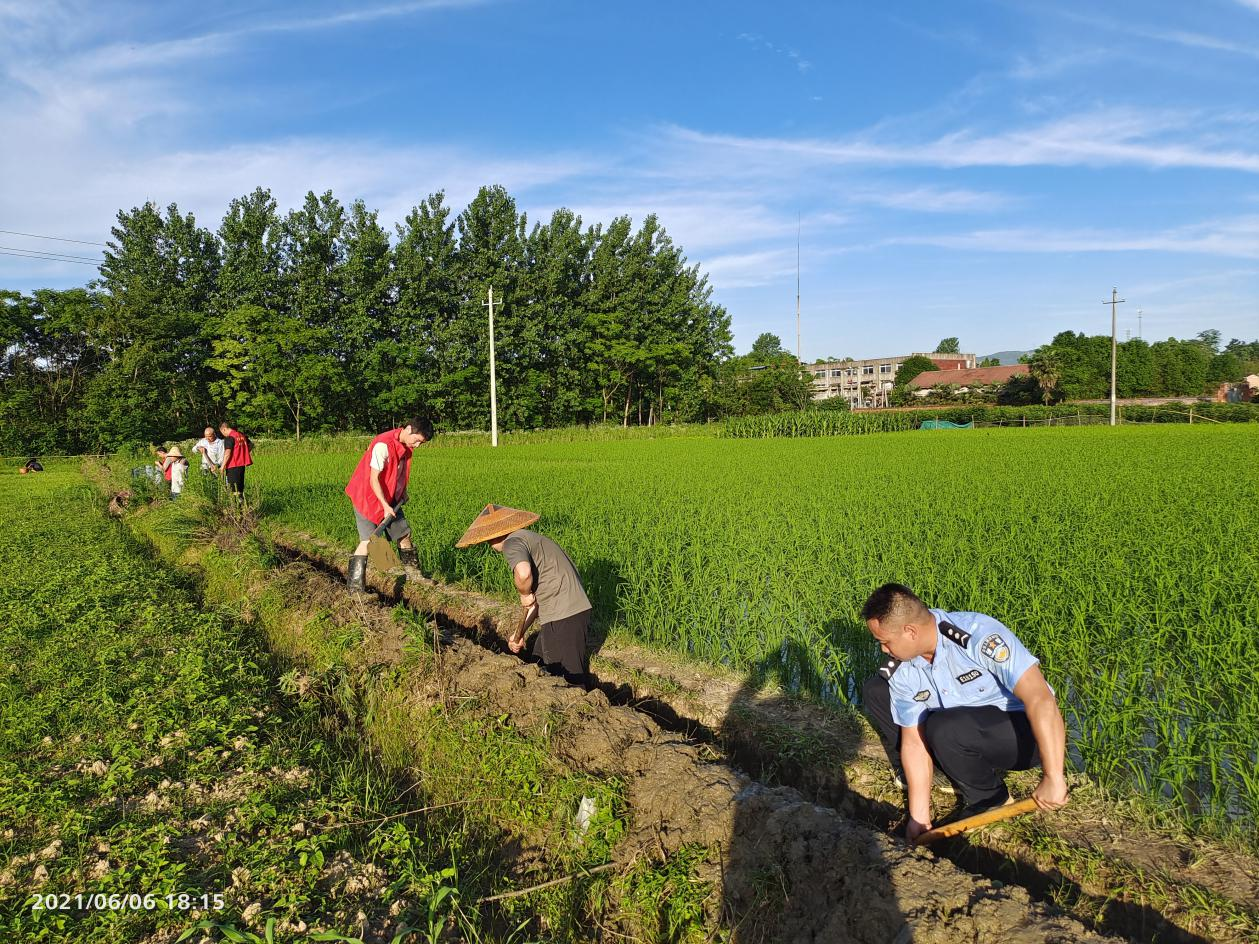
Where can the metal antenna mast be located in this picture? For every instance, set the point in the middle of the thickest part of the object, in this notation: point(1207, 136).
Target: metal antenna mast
point(798, 286)
point(1112, 302)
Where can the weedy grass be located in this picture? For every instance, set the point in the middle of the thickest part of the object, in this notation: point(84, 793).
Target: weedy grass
point(1124, 558)
point(148, 748)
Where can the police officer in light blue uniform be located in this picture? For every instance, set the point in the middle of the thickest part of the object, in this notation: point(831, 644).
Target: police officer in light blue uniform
point(961, 691)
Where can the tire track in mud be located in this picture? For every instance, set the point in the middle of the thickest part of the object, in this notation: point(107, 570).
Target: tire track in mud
point(787, 868)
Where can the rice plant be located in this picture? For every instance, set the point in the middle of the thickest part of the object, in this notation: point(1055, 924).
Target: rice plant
point(1125, 558)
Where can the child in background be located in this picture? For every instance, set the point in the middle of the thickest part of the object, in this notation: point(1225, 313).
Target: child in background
point(174, 468)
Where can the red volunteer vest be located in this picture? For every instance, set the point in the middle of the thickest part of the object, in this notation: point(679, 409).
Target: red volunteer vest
point(360, 487)
point(166, 472)
point(240, 450)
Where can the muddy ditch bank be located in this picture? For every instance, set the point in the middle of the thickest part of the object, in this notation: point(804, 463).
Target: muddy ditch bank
point(1109, 869)
point(785, 867)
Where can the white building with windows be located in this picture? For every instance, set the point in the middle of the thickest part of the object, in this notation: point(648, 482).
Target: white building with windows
point(866, 383)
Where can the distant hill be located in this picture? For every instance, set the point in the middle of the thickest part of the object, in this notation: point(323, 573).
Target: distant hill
point(1005, 357)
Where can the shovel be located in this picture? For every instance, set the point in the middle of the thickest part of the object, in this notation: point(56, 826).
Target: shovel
point(380, 553)
point(974, 822)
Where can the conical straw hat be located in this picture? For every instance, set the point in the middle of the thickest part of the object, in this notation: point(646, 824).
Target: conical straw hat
point(495, 521)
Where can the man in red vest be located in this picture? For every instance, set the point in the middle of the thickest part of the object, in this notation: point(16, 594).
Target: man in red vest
point(377, 490)
point(236, 457)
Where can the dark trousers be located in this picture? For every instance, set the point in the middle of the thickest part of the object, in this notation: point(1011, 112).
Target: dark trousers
point(561, 648)
point(974, 747)
point(236, 479)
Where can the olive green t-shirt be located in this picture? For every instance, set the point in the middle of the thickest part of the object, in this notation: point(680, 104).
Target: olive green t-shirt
point(556, 582)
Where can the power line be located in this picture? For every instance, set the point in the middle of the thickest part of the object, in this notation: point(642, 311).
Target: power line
point(42, 252)
point(60, 239)
point(47, 257)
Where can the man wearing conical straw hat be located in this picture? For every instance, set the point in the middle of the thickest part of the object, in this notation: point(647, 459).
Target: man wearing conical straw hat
point(549, 587)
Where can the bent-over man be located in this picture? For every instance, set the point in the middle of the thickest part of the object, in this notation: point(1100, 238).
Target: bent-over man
point(211, 448)
point(378, 490)
point(549, 586)
point(959, 690)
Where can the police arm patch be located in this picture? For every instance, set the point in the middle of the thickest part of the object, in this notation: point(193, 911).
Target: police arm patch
point(994, 648)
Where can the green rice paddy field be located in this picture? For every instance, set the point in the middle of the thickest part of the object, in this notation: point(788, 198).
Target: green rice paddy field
point(1127, 558)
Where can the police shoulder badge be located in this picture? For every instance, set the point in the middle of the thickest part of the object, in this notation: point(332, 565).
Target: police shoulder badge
point(923, 695)
point(994, 648)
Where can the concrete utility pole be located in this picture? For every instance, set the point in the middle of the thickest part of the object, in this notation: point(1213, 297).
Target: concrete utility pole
point(1139, 323)
point(1112, 302)
point(493, 379)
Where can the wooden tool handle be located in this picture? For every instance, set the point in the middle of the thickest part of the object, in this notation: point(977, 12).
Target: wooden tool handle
point(995, 815)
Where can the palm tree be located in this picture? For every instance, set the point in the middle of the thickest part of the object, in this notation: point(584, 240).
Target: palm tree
point(1046, 369)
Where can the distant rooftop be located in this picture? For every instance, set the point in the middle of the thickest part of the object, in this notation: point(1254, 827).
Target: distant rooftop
point(967, 377)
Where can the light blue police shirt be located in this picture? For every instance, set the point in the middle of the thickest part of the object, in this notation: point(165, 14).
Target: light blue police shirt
point(978, 661)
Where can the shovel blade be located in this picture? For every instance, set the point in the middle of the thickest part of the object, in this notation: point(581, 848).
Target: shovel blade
point(381, 555)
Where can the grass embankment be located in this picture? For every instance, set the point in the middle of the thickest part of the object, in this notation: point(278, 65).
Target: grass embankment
point(151, 745)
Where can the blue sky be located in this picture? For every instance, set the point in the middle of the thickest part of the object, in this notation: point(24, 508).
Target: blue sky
point(981, 168)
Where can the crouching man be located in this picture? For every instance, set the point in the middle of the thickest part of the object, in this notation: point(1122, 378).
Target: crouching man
point(549, 586)
point(378, 490)
point(959, 690)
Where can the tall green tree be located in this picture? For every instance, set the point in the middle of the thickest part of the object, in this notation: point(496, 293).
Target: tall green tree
point(551, 384)
point(911, 367)
point(767, 347)
point(250, 236)
point(312, 257)
point(949, 346)
point(367, 285)
point(158, 280)
point(1045, 368)
point(490, 253)
point(406, 362)
point(274, 374)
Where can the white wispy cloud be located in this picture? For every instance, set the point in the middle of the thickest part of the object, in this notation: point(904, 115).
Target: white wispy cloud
point(1129, 29)
point(1237, 237)
point(756, 41)
point(1105, 137)
point(929, 199)
point(750, 269)
point(1051, 65)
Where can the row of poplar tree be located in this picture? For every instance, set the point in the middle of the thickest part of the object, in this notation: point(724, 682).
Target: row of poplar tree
point(318, 320)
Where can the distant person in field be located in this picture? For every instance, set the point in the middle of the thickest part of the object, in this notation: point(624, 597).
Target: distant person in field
point(32, 465)
point(237, 457)
point(378, 490)
point(174, 467)
point(549, 586)
point(959, 690)
point(211, 448)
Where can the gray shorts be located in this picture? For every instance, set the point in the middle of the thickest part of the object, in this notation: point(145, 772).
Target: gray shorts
point(397, 529)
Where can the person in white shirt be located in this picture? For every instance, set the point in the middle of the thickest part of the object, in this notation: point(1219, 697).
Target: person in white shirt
point(174, 467)
point(211, 448)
